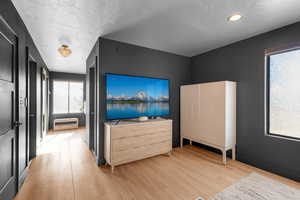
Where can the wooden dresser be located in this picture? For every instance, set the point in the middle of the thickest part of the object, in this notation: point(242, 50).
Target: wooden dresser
point(129, 141)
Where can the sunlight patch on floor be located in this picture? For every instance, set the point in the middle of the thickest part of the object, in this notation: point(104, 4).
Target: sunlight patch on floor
point(55, 142)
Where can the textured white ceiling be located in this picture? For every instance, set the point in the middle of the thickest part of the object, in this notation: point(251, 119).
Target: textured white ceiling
point(185, 27)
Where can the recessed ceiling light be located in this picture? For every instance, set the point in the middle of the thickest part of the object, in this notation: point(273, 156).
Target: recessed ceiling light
point(234, 18)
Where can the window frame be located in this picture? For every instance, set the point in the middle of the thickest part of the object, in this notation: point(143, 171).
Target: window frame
point(268, 54)
point(67, 81)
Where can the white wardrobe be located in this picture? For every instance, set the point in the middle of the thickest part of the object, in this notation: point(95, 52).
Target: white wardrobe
point(208, 115)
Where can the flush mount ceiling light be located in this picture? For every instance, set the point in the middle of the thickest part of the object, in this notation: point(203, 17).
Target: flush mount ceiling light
point(64, 50)
point(234, 18)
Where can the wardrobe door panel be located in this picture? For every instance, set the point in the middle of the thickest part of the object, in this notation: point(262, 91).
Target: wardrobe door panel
point(190, 111)
point(212, 113)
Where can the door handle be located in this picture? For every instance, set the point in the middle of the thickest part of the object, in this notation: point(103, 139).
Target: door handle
point(17, 124)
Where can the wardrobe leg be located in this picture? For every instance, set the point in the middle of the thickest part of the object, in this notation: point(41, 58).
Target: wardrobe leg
point(224, 157)
point(234, 152)
point(181, 142)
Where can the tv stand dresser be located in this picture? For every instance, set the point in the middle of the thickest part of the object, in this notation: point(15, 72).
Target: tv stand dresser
point(131, 140)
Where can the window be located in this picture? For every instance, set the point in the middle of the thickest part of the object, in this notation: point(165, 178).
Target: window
point(283, 94)
point(76, 97)
point(67, 97)
point(60, 97)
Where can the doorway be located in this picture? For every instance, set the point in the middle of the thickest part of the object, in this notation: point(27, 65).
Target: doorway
point(66, 114)
point(31, 122)
point(45, 105)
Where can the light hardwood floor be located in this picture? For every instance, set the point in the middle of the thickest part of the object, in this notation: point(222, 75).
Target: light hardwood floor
point(65, 169)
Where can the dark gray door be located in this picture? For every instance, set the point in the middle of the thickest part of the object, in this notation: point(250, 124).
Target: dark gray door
point(32, 122)
point(8, 125)
point(92, 136)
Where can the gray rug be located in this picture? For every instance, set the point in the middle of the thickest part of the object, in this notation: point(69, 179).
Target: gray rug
point(258, 187)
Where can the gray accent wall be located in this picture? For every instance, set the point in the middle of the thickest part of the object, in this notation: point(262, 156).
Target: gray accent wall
point(65, 77)
point(244, 62)
point(122, 58)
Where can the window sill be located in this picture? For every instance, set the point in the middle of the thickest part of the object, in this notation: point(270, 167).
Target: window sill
point(68, 113)
point(282, 137)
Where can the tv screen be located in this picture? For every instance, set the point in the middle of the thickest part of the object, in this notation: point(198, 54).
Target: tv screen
point(133, 96)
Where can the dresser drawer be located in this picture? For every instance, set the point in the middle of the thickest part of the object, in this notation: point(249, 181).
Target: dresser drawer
point(141, 152)
point(125, 143)
point(129, 141)
point(141, 129)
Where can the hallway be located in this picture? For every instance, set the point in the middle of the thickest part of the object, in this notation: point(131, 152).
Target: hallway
point(63, 165)
point(65, 169)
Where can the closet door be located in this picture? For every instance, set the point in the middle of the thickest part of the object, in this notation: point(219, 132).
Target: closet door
point(212, 113)
point(189, 101)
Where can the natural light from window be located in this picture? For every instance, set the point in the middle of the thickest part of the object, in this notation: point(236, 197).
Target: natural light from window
point(67, 97)
point(284, 94)
point(76, 97)
point(60, 97)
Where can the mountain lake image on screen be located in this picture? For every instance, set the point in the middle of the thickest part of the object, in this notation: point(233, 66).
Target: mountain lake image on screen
point(133, 96)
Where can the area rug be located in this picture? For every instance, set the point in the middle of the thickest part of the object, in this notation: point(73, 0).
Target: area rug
point(258, 187)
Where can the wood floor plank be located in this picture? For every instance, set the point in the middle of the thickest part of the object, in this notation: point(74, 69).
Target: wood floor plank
point(66, 170)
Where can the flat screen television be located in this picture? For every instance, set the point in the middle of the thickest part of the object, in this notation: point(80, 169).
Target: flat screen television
point(130, 97)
